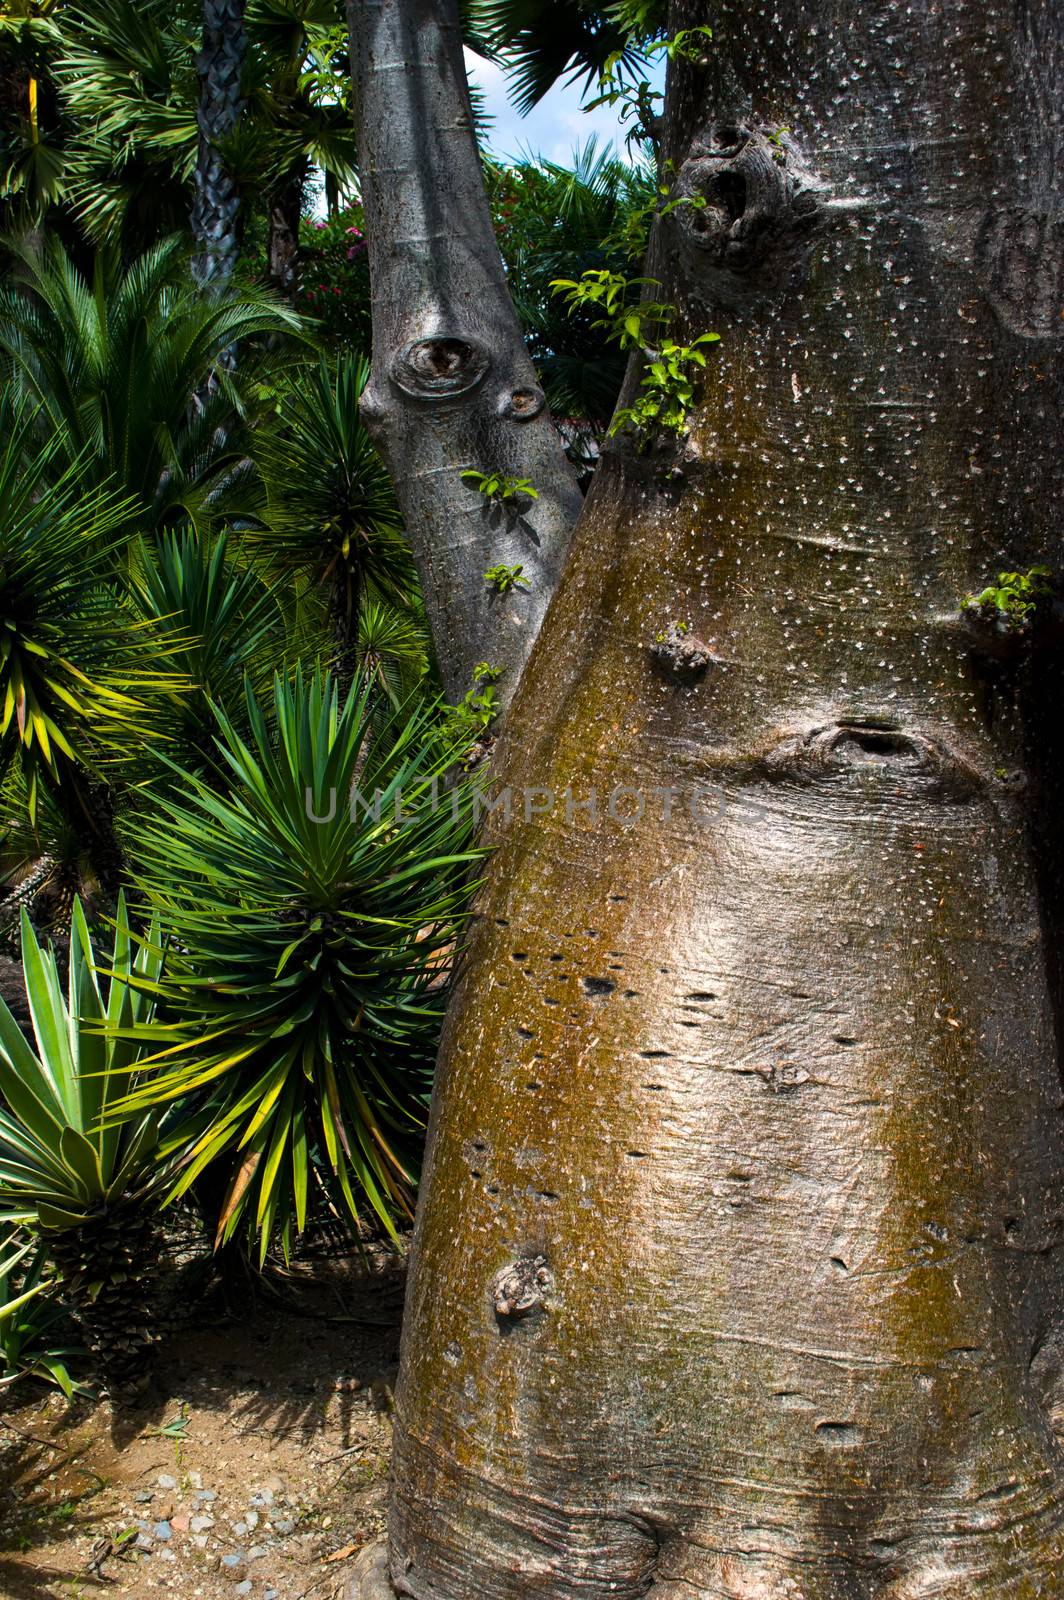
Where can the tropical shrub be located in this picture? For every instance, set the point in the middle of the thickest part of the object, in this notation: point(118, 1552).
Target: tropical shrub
point(556, 222)
point(331, 519)
point(78, 1173)
point(34, 1325)
point(77, 680)
point(313, 911)
point(334, 279)
point(127, 371)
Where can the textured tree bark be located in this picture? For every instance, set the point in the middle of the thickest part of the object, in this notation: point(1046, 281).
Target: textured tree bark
point(452, 387)
point(216, 207)
point(737, 1272)
point(282, 249)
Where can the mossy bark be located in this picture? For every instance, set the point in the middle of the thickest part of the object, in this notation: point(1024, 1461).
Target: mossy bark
point(738, 1269)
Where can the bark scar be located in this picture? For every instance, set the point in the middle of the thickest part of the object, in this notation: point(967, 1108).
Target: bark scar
point(755, 203)
point(521, 1288)
point(909, 760)
point(442, 367)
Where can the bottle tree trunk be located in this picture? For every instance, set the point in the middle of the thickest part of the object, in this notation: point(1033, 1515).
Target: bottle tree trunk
point(452, 390)
point(737, 1269)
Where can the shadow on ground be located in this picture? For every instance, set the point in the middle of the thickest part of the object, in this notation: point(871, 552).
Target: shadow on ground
point(261, 1451)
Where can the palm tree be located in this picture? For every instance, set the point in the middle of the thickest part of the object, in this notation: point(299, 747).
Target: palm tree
point(146, 119)
point(127, 81)
point(299, 83)
point(31, 164)
point(221, 103)
point(114, 364)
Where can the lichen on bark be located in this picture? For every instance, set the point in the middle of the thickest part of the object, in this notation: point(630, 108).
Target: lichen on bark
point(772, 1083)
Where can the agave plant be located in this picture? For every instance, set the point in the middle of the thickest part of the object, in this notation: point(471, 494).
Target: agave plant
point(331, 514)
point(79, 1176)
point(34, 1325)
point(115, 364)
point(311, 936)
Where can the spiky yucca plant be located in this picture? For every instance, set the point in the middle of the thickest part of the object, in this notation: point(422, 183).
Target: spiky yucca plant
point(331, 516)
point(311, 938)
point(76, 675)
point(89, 1191)
point(215, 620)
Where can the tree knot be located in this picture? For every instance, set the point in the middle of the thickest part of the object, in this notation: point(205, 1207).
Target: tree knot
point(522, 1287)
point(443, 367)
point(680, 656)
point(752, 203)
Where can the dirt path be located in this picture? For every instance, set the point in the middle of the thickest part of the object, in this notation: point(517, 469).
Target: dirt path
point(257, 1469)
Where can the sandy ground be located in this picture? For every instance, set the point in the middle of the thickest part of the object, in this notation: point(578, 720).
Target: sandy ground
point(257, 1467)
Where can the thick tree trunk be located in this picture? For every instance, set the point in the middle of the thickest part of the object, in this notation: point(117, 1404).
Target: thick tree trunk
point(452, 387)
point(738, 1269)
point(216, 208)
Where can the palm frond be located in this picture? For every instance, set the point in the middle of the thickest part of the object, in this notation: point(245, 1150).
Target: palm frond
point(119, 367)
point(541, 42)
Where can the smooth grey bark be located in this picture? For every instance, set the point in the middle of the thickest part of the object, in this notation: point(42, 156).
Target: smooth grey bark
point(452, 387)
point(216, 207)
point(737, 1272)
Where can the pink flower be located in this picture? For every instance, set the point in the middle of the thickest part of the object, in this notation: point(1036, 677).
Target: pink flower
point(320, 225)
point(356, 231)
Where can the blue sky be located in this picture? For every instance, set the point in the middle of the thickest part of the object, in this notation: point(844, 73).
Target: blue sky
point(553, 129)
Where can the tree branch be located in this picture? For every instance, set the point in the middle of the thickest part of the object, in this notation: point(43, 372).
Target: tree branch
point(452, 387)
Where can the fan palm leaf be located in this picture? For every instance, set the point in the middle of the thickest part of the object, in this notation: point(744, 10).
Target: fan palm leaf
point(543, 41)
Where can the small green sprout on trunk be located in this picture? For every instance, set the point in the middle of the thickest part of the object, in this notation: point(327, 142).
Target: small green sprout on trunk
point(666, 391)
point(500, 490)
point(503, 579)
point(1014, 598)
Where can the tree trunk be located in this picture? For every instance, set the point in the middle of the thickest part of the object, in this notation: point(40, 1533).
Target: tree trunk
point(737, 1271)
point(217, 204)
point(285, 211)
point(452, 389)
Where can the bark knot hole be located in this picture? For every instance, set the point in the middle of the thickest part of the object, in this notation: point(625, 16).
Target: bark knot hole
point(753, 203)
point(444, 367)
point(521, 1288)
point(523, 404)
